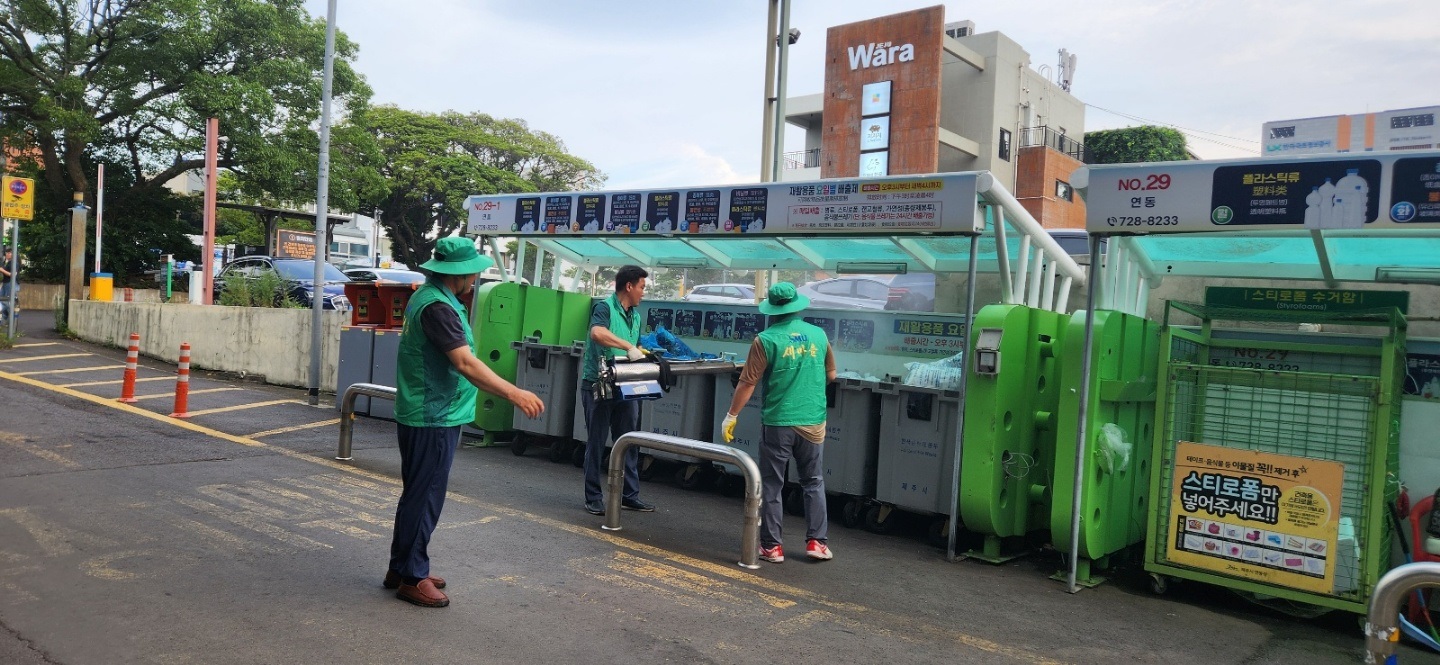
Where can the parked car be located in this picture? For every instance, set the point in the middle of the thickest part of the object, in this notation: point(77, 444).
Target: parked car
point(734, 294)
point(912, 292)
point(298, 275)
point(856, 292)
point(386, 275)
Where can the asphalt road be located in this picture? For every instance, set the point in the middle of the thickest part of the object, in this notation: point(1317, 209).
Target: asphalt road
point(127, 536)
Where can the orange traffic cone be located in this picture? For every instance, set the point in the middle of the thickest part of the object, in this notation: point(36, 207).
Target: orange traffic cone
point(132, 359)
point(182, 384)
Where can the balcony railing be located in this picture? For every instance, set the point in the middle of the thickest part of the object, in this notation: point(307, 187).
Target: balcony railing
point(1044, 136)
point(802, 159)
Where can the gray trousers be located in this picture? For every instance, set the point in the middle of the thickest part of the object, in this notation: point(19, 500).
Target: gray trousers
point(777, 446)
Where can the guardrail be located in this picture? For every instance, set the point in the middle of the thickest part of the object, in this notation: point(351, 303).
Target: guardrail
point(1381, 625)
point(714, 452)
point(347, 412)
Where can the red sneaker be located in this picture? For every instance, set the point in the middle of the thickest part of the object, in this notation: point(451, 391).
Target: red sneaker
point(817, 550)
point(774, 554)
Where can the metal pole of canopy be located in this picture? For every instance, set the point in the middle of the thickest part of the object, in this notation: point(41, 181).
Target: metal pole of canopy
point(495, 254)
point(1032, 297)
point(1080, 437)
point(1002, 254)
point(960, 417)
point(520, 256)
point(1022, 272)
point(1062, 300)
point(1047, 292)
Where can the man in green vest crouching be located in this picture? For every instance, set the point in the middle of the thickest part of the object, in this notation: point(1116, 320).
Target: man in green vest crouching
point(794, 360)
point(438, 376)
point(614, 332)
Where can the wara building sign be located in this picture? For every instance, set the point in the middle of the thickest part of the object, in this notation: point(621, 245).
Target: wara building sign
point(879, 54)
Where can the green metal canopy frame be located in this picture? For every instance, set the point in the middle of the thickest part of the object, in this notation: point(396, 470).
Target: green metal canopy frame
point(1365, 217)
point(941, 223)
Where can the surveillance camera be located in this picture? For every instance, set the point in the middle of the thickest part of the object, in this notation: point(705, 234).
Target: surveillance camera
point(794, 35)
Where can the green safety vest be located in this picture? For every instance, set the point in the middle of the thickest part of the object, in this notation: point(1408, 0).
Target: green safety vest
point(623, 328)
point(795, 376)
point(430, 391)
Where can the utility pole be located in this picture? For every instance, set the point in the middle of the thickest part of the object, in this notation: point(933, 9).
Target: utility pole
point(212, 148)
point(75, 285)
point(322, 209)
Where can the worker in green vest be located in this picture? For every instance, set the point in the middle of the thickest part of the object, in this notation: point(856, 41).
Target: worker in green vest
point(438, 382)
point(794, 362)
point(614, 332)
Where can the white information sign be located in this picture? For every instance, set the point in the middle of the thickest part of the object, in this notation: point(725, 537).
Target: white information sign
point(1345, 191)
point(875, 133)
point(942, 203)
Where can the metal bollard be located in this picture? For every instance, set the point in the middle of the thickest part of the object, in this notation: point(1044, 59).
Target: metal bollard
point(750, 531)
point(1381, 624)
point(182, 384)
point(132, 361)
point(347, 412)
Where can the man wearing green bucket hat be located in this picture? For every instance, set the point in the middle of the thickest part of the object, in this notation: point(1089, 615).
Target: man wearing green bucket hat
point(795, 362)
point(438, 382)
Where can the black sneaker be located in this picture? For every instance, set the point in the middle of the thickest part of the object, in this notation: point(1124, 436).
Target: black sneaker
point(637, 505)
point(595, 507)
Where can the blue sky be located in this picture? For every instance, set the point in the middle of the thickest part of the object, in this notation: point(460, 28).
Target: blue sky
point(661, 93)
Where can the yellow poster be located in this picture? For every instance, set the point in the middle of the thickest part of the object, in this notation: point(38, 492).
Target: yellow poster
point(1257, 516)
point(19, 198)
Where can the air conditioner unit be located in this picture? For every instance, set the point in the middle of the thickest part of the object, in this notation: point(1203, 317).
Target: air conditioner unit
point(959, 29)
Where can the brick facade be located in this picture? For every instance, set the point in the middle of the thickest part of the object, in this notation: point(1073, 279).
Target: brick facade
point(1037, 168)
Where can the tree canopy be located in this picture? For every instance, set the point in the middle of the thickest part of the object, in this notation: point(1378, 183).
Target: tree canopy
point(134, 81)
point(431, 162)
point(1135, 144)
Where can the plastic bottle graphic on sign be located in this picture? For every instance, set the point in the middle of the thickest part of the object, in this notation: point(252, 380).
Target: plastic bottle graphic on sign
point(1312, 209)
point(1352, 198)
point(1327, 205)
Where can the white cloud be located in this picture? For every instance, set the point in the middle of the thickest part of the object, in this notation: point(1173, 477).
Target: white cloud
point(656, 92)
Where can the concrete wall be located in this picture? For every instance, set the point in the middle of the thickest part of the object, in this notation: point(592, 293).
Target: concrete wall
point(271, 343)
point(35, 297)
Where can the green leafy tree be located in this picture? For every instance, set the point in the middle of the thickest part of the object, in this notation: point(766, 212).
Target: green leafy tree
point(1135, 144)
point(433, 161)
point(131, 82)
point(140, 225)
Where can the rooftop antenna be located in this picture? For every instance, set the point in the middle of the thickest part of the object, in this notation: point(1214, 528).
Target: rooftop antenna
point(1066, 71)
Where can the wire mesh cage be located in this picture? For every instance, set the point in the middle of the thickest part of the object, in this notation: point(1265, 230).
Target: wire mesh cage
point(1279, 425)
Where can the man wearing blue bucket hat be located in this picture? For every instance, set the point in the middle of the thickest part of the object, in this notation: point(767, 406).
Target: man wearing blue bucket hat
point(795, 362)
point(438, 377)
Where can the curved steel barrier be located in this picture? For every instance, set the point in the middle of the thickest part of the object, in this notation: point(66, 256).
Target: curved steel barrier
point(750, 533)
point(347, 412)
point(1381, 625)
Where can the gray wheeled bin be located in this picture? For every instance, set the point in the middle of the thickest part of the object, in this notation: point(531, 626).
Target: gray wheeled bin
point(551, 372)
point(914, 470)
point(686, 411)
point(357, 359)
point(382, 370)
point(748, 429)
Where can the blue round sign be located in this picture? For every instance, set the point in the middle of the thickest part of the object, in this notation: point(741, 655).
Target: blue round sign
point(1403, 211)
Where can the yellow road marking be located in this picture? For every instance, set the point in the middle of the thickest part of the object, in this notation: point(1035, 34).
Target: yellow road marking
point(70, 370)
point(113, 382)
point(53, 539)
point(241, 407)
point(193, 392)
point(893, 624)
point(30, 344)
point(19, 442)
point(249, 522)
point(223, 536)
point(296, 428)
point(54, 357)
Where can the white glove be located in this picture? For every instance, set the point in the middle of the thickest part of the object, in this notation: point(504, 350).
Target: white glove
point(635, 354)
point(727, 427)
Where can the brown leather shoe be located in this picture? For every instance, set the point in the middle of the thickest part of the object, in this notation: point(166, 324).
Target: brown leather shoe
point(423, 594)
point(392, 580)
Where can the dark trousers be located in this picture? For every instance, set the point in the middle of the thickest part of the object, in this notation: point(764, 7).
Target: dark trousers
point(606, 418)
point(778, 445)
point(426, 454)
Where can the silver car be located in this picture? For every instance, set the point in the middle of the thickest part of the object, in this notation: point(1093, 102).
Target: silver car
point(859, 292)
point(733, 294)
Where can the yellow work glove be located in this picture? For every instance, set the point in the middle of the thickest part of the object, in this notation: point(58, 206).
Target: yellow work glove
point(727, 427)
point(635, 354)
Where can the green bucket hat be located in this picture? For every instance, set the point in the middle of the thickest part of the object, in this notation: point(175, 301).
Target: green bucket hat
point(457, 256)
point(783, 299)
